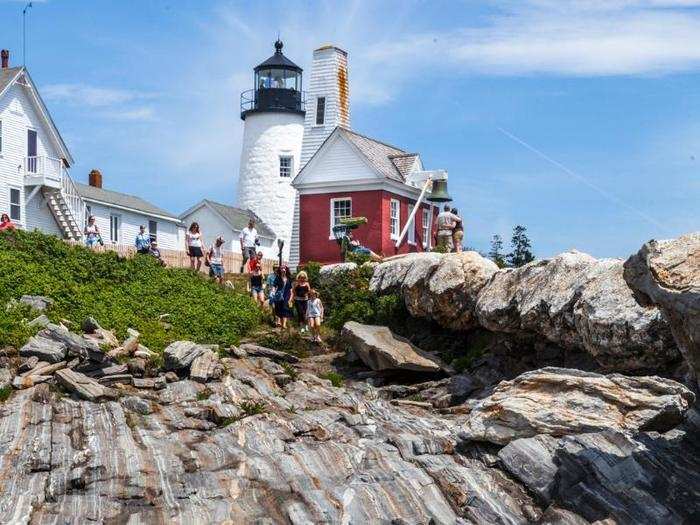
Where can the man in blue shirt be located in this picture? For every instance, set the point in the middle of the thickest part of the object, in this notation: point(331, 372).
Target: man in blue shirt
point(143, 240)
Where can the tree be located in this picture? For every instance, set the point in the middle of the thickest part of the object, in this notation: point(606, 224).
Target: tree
point(520, 243)
point(495, 253)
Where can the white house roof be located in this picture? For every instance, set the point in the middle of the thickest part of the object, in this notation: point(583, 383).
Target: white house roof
point(8, 77)
point(388, 161)
point(123, 201)
point(236, 218)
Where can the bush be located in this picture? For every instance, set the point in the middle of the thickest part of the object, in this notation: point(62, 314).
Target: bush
point(119, 293)
point(334, 377)
point(13, 325)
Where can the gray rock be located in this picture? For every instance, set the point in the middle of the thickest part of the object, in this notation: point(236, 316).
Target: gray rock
point(28, 364)
point(137, 404)
point(559, 401)
point(110, 370)
point(180, 354)
point(171, 377)
point(137, 367)
point(122, 379)
point(23, 382)
point(254, 350)
point(667, 274)
point(45, 349)
point(380, 349)
point(90, 325)
point(5, 378)
point(36, 302)
point(204, 367)
point(39, 322)
point(531, 460)
point(156, 383)
point(82, 385)
point(76, 345)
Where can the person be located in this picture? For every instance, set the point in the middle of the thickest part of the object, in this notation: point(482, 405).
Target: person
point(356, 248)
point(458, 232)
point(143, 241)
point(314, 315)
point(5, 223)
point(215, 256)
point(446, 221)
point(270, 282)
point(283, 294)
point(249, 241)
point(193, 246)
point(256, 279)
point(92, 233)
point(154, 251)
point(301, 298)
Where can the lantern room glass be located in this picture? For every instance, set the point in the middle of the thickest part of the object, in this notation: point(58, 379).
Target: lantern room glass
point(277, 78)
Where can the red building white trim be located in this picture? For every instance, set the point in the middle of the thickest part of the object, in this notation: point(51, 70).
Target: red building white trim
point(354, 175)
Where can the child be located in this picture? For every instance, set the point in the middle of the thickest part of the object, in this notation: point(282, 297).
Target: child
point(256, 279)
point(314, 315)
point(301, 298)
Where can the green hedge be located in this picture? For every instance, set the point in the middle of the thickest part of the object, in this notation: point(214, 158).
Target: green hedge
point(121, 293)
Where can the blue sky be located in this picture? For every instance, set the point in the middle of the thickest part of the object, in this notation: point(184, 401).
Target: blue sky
point(578, 118)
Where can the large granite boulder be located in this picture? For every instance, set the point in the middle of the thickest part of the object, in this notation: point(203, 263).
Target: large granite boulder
point(560, 401)
point(381, 350)
point(667, 274)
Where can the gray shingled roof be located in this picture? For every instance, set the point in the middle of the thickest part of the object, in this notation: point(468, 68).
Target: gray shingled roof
point(121, 199)
point(6, 75)
point(378, 153)
point(404, 163)
point(237, 218)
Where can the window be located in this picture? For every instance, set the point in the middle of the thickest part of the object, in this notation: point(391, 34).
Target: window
point(412, 231)
point(114, 225)
point(395, 209)
point(320, 111)
point(427, 216)
point(286, 165)
point(153, 230)
point(0, 136)
point(15, 205)
point(340, 209)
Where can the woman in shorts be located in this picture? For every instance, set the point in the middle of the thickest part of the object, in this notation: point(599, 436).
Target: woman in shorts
point(193, 246)
point(256, 279)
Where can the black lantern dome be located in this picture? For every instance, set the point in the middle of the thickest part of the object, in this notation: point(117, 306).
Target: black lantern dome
point(277, 87)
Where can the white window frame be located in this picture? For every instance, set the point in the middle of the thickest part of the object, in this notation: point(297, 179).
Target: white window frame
point(112, 217)
point(153, 235)
point(291, 166)
point(332, 213)
point(325, 109)
point(394, 232)
point(427, 227)
point(18, 204)
point(0, 137)
point(411, 235)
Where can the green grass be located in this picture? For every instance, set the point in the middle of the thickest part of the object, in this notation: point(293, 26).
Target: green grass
point(14, 331)
point(334, 377)
point(119, 293)
point(5, 393)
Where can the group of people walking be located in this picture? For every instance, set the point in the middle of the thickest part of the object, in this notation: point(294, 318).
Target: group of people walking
point(450, 230)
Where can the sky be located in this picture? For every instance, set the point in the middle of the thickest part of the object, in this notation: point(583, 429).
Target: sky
point(579, 119)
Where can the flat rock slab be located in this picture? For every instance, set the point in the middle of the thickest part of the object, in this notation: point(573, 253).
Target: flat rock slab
point(180, 354)
point(124, 379)
point(28, 364)
point(561, 401)
point(380, 349)
point(45, 349)
point(37, 302)
point(204, 367)
point(254, 350)
point(109, 371)
point(77, 345)
point(155, 383)
point(82, 385)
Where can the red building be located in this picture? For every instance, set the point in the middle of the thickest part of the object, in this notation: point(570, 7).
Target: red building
point(351, 175)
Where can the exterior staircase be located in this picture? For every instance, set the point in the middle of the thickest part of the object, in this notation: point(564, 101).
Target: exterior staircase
point(63, 214)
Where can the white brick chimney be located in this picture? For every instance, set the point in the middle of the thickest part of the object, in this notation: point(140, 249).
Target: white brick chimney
point(327, 98)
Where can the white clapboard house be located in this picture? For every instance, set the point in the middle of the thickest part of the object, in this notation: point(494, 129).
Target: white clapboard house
point(36, 189)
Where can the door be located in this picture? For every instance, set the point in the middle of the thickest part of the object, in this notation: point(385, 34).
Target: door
point(31, 151)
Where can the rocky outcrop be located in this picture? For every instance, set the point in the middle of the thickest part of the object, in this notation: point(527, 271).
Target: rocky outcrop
point(381, 350)
point(573, 301)
point(558, 402)
point(667, 274)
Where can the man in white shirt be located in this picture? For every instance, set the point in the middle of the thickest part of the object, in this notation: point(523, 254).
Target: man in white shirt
point(446, 222)
point(249, 241)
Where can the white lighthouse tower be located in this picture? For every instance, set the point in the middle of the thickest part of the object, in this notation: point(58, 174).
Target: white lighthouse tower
point(273, 112)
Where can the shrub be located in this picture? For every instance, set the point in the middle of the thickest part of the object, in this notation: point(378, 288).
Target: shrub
point(13, 325)
point(5, 393)
point(120, 293)
point(335, 378)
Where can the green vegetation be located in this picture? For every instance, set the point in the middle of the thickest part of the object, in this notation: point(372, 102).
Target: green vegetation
point(521, 246)
point(334, 377)
point(289, 341)
point(5, 393)
point(252, 408)
point(204, 394)
point(290, 371)
point(119, 293)
point(14, 329)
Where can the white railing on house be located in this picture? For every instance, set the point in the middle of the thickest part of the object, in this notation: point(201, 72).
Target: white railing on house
point(49, 168)
point(75, 202)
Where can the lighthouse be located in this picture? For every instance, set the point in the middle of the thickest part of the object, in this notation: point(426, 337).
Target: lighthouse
point(273, 115)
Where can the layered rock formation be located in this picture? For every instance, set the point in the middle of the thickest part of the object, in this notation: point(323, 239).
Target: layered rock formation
point(571, 300)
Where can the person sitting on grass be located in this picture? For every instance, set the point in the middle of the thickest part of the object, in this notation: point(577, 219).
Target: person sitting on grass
point(154, 251)
point(216, 260)
point(301, 298)
point(5, 223)
point(314, 315)
point(256, 279)
point(143, 241)
point(283, 296)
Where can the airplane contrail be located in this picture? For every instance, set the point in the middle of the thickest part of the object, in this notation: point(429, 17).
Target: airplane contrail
point(608, 196)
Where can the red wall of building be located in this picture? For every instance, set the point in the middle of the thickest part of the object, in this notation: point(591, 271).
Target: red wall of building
point(315, 216)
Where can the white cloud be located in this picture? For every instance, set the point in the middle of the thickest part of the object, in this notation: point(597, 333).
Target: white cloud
point(109, 103)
